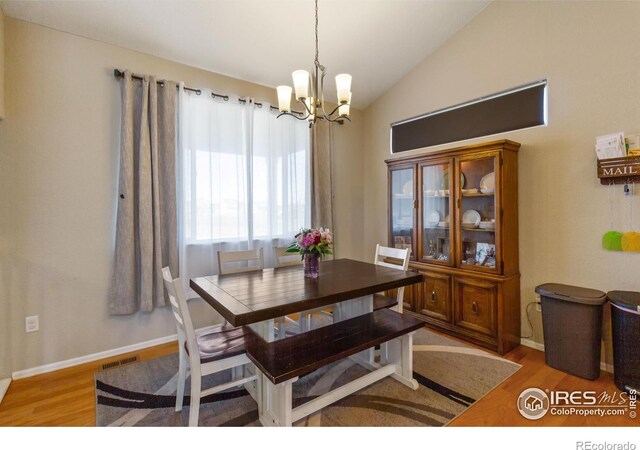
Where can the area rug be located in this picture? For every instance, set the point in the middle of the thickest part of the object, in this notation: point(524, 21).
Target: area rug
point(452, 376)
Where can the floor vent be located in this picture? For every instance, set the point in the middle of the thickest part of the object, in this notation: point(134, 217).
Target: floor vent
point(122, 362)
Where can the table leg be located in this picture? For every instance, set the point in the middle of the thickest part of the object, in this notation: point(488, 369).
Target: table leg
point(353, 308)
point(399, 352)
point(278, 407)
point(262, 392)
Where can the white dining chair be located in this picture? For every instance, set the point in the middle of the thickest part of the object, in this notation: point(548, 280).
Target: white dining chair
point(395, 258)
point(284, 259)
point(219, 350)
point(243, 256)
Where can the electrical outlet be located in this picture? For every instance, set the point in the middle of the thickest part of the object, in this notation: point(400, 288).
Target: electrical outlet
point(538, 304)
point(31, 324)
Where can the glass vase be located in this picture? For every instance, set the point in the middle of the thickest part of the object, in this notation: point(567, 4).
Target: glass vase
point(311, 266)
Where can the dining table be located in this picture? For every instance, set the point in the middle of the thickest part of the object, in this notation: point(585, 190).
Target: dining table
point(258, 299)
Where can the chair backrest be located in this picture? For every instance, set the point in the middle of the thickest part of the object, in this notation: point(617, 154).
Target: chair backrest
point(241, 256)
point(284, 259)
point(395, 258)
point(184, 325)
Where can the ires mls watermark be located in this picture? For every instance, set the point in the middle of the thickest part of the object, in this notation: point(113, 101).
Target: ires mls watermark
point(534, 403)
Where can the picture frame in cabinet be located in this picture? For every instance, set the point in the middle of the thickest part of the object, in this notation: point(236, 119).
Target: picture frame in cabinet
point(469, 256)
point(402, 242)
point(485, 254)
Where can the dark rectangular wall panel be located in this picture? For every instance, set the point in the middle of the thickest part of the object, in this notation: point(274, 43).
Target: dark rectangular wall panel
point(518, 108)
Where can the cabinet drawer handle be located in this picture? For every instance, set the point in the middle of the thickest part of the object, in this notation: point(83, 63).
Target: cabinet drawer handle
point(433, 296)
point(474, 307)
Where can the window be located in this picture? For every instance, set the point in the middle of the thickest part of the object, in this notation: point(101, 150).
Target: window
point(515, 109)
point(243, 177)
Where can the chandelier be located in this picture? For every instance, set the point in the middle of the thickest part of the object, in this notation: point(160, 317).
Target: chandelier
point(309, 92)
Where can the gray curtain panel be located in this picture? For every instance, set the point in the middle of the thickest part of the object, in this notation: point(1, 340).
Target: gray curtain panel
point(146, 230)
point(321, 182)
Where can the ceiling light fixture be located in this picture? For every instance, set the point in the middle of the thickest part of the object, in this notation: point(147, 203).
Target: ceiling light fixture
point(313, 101)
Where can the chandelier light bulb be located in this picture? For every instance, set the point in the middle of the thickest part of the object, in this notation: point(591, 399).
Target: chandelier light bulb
point(301, 83)
point(343, 85)
point(343, 110)
point(284, 98)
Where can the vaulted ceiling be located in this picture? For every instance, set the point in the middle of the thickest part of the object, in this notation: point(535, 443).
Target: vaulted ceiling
point(263, 41)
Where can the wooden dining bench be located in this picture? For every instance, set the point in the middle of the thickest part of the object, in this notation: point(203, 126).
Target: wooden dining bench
point(282, 362)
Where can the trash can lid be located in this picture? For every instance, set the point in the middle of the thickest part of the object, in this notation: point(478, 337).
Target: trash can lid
point(625, 299)
point(573, 294)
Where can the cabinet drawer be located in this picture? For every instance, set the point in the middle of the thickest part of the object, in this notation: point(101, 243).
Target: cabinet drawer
point(436, 296)
point(476, 305)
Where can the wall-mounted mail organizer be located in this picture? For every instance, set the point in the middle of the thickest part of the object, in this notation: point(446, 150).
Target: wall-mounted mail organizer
point(619, 170)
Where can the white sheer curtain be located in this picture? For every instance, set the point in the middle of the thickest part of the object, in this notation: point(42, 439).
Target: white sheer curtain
point(243, 180)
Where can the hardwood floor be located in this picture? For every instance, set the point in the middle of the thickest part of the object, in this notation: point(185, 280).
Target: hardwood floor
point(498, 408)
point(67, 398)
point(62, 398)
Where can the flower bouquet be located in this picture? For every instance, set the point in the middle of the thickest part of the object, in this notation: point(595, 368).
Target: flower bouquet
point(312, 244)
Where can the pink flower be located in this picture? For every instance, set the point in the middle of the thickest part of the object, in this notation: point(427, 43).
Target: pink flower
point(308, 240)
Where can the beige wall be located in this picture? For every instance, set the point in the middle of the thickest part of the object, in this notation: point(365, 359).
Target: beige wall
point(591, 59)
point(59, 153)
point(5, 335)
point(348, 207)
point(1, 64)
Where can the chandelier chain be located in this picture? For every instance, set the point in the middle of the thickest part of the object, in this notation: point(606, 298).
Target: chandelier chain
point(317, 61)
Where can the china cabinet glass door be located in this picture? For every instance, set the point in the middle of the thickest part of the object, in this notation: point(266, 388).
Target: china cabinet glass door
point(403, 208)
point(478, 213)
point(436, 213)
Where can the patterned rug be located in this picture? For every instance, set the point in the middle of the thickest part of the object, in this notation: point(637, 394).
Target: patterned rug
point(452, 376)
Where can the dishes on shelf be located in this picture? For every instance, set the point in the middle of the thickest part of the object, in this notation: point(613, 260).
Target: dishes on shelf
point(444, 181)
point(469, 191)
point(469, 225)
point(488, 183)
point(471, 216)
point(430, 193)
point(487, 225)
point(487, 191)
point(443, 224)
point(443, 192)
point(407, 189)
point(433, 217)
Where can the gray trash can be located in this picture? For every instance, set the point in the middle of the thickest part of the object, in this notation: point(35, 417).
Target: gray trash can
point(572, 325)
point(625, 327)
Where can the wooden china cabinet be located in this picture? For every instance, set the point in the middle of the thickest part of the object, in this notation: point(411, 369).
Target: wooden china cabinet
point(457, 210)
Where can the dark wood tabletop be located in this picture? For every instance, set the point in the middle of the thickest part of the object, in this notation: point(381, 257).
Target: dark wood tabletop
point(252, 297)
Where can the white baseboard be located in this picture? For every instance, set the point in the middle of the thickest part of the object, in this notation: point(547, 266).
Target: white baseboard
point(96, 356)
point(606, 367)
point(538, 346)
point(532, 344)
point(4, 385)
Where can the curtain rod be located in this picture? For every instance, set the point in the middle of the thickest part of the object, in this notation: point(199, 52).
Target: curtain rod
point(120, 74)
